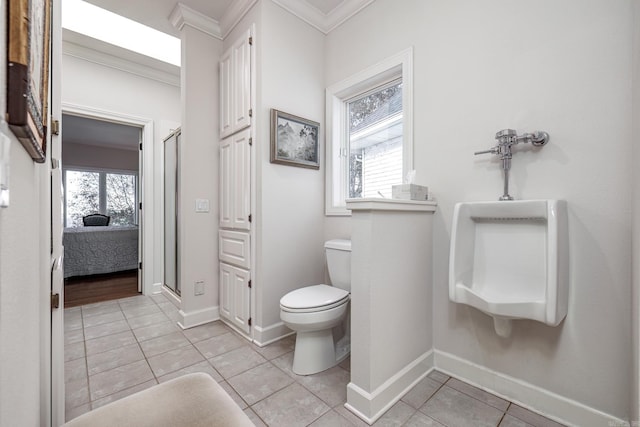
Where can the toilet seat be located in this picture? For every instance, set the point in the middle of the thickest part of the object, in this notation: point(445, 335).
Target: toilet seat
point(313, 298)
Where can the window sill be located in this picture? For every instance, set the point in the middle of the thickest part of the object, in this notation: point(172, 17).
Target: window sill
point(337, 211)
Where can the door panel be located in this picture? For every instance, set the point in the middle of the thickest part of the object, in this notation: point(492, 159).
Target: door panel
point(226, 276)
point(242, 82)
point(241, 184)
point(226, 184)
point(226, 93)
point(56, 393)
point(234, 248)
point(234, 296)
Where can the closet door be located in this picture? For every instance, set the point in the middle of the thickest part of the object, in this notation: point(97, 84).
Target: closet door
point(235, 175)
point(226, 94)
point(241, 82)
point(235, 296)
point(241, 180)
point(235, 87)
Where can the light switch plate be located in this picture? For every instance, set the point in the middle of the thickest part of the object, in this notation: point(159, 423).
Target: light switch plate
point(202, 205)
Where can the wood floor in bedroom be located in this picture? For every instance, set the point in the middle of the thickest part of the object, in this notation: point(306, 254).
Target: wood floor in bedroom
point(100, 287)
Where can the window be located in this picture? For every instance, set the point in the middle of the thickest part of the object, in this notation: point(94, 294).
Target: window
point(109, 193)
point(369, 136)
point(375, 141)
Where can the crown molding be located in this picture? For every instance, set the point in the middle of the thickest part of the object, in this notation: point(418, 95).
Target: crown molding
point(183, 15)
point(323, 22)
point(343, 12)
point(89, 49)
point(234, 13)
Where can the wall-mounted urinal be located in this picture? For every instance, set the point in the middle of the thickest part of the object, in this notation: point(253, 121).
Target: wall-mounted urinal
point(510, 260)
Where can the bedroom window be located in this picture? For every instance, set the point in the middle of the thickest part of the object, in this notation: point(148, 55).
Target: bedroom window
point(369, 132)
point(105, 192)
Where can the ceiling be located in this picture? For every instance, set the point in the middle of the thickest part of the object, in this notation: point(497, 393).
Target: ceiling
point(155, 13)
point(82, 130)
point(323, 14)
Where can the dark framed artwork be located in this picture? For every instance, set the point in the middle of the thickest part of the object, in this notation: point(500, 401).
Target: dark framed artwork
point(29, 25)
point(294, 140)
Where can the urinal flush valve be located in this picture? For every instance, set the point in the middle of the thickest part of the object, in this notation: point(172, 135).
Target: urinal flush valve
point(506, 139)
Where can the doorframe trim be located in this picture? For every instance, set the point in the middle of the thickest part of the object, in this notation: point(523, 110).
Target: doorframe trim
point(145, 178)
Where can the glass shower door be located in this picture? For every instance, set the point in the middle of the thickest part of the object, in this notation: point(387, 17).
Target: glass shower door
point(171, 144)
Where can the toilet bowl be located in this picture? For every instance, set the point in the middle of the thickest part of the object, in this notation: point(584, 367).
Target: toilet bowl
point(314, 311)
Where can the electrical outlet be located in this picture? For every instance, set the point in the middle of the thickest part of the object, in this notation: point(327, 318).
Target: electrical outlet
point(198, 289)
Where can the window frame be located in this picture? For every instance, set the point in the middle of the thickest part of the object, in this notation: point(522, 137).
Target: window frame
point(102, 188)
point(399, 66)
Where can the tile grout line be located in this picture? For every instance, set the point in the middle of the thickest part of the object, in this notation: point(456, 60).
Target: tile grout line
point(473, 397)
point(139, 347)
point(295, 378)
point(431, 397)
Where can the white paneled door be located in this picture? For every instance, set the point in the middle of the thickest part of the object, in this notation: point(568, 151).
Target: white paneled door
point(235, 174)
point(235, 296)
point(235, 235)
point(235, 87)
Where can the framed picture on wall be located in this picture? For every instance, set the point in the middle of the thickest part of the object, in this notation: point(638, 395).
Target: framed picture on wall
point(294, 140)
point(29, 26)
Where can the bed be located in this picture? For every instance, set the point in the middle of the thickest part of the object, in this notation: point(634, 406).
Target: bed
point(99, 250)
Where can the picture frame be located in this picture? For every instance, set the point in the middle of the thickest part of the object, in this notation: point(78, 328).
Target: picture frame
point(294, 140)
point(28, 46)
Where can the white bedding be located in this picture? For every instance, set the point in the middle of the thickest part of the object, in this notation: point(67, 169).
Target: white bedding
point(99, 250)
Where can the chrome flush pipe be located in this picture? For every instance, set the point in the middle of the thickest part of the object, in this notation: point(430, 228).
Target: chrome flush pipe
point(507, 138)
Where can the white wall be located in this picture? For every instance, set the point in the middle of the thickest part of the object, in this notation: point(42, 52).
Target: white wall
point(198, 175)
point(23, 280)
point(563, 67)
point(91, 156)
point(92, 85)
point(21, 289)
point(291, 200)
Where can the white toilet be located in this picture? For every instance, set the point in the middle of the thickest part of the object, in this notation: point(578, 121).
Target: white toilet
point(314, 311)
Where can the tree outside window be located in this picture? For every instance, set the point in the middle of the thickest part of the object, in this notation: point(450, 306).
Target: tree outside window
point(121, 198)
point(112, 194)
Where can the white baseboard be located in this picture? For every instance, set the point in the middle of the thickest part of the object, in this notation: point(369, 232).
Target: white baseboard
point(156, 288)
point(175, 299)
point(372, 405)
point(547, 403)
point(198, 317)
point(269, 334)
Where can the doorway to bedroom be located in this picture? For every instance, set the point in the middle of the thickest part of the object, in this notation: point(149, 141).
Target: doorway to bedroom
point(101, 170)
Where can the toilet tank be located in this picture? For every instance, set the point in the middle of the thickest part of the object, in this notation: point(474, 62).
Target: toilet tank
point(338, 254)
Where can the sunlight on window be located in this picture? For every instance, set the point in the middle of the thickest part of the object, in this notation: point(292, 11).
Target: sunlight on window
point(101, 24)
point(89, 192)
point(82, 196)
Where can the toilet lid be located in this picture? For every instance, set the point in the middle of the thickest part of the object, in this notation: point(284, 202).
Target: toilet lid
point(313, 297)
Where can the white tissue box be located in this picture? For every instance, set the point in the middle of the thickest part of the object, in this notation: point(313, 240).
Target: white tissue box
point(410, 192)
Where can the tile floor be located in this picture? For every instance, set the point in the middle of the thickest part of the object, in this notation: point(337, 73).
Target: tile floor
point(116, 348)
